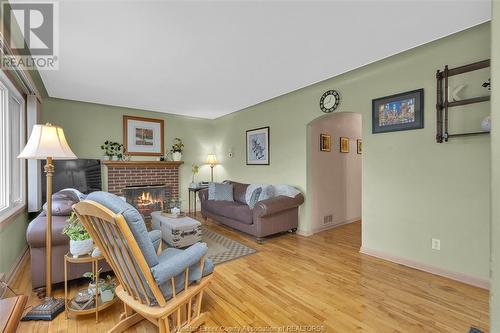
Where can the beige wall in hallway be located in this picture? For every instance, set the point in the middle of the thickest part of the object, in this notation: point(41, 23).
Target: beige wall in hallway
point(335, 177)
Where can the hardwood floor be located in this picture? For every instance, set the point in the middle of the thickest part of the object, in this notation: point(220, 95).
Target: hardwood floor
point(318, 280)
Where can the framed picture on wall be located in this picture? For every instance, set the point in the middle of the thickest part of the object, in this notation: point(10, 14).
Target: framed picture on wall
point(359, 146)
point(400, 112)
point(143, 136)
point(258, 146)
point(325, 142)
point(344, 145)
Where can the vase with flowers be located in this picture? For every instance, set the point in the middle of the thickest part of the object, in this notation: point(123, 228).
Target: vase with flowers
point(195, 168)
point(177, 149)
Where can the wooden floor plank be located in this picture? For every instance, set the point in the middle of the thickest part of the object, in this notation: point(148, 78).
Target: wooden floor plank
point(317, 280)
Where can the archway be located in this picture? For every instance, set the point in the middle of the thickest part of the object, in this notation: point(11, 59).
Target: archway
point(334, 177)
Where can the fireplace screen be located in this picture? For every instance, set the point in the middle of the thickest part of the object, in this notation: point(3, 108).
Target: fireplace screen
point(147, 199)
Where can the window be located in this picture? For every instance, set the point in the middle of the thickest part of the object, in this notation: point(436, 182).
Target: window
point(12, 141)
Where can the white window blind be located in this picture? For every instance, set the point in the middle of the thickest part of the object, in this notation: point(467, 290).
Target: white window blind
point(12, 138)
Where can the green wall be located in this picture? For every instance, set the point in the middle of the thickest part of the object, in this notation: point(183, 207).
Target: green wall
point(88, 125)
point(12, 241)
point(495, 171)
point(413, 188)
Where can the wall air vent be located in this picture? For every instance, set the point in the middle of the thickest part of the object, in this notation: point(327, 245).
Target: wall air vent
point(327, 219)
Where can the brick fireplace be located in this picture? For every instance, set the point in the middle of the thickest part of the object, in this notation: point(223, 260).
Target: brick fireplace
point(124, 175)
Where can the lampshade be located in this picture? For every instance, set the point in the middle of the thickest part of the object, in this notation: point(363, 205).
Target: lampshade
point(47, 141)
point(211, 159)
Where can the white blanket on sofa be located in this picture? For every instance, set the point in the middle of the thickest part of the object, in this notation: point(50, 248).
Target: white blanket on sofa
point(271, 191)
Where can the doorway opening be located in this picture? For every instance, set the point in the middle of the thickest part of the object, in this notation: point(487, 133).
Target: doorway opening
point(334, 170)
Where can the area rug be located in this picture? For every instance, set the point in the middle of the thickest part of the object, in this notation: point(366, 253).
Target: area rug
point(222, 249)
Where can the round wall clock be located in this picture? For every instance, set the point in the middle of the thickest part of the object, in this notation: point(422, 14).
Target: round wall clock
point(329, 101)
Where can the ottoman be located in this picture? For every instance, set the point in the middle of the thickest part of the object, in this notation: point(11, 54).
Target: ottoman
point(177, 232)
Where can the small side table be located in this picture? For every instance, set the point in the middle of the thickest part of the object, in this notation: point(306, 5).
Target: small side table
point(194, 190)
point(98, 305)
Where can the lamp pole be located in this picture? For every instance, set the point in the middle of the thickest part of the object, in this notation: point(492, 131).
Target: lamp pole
point(47, 142)
point(49, 172)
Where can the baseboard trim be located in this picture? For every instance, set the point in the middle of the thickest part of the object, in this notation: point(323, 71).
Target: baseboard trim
point(304, 233)
point(464, 278)
point(12, 275)
point(332, 226)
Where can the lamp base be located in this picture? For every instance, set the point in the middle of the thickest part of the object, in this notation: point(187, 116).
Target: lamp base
point(48, 310)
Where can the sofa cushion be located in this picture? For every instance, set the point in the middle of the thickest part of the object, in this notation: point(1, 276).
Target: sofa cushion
point(220, 192)
point(173, 263)
point(239, 192)
point(134, 221)
point(232, 210)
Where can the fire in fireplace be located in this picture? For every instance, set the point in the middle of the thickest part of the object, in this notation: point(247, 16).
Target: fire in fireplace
point(147, 198)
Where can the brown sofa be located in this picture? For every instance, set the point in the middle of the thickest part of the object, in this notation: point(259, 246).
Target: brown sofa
point(62, 202)
point(60, 246)
point(268, 217)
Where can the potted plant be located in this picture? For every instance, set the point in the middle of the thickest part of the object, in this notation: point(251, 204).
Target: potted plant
point(195, 168)
point(112, 149)
point(80, 242)
point(108, 290)
point(177, 149)
point(92, 281)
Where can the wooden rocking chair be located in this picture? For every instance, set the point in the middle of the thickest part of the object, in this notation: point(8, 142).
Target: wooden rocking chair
point(159, 291)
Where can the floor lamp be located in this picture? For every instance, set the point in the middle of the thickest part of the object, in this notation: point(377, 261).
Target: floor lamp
point(212, 161)
point(47, 142)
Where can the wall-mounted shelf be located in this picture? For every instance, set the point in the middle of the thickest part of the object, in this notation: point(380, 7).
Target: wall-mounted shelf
point(467, 134)
point(442, 103)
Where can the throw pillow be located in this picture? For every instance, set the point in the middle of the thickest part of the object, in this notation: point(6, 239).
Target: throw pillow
point(220, 192)
point(60, 207)
point(254, 197)
point(267, 192)
point(211, 191)
point(63, 201)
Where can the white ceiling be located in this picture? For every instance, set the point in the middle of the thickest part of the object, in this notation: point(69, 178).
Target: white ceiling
point(207, 59)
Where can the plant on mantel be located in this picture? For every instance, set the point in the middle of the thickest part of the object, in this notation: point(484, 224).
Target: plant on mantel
point(177, 149)
point(112, 149)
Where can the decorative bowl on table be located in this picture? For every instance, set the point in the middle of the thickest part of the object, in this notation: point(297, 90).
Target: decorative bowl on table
point(83, 296)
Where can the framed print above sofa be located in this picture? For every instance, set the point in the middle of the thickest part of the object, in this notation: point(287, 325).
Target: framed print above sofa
point(143, 136)
point(398, 112)
point(257, 142)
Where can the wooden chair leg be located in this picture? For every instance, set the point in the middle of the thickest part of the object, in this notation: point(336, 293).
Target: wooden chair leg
point(127, 312)
point(126, 323)
point(195, 323)
point(163, 325)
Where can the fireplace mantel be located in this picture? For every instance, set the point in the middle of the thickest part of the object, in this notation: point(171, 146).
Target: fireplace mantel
point(143, 164)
